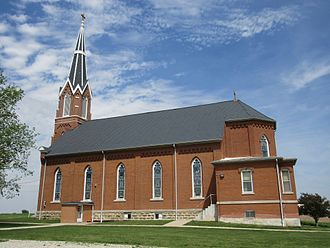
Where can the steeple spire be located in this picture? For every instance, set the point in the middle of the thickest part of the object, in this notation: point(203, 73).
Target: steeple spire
point(78, 71)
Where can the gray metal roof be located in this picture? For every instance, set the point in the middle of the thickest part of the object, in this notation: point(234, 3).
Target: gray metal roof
point(183, 125)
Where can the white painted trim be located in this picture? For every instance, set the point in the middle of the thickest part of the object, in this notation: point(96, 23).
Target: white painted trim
point(197, 198)
point(256, 202)
point(192, 179)
point(42, 191)
point(153, 181)
point(79, 52)
point(282, 181)
point(84, 199)
point(156, 199)
point(252, 188)
point(54, 191)
point(120, 199)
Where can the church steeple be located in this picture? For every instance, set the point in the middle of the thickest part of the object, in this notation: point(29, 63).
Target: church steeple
point(74, 105)
point(78, 72)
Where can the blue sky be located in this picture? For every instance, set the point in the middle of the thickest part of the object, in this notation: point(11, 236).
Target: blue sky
point(159, 54)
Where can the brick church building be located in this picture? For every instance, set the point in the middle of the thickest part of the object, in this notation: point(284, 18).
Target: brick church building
point(215, 161)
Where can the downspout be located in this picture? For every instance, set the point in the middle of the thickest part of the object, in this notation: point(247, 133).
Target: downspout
point(176, 184)
point(280, 193)
point(42, 190)
point(102, 197)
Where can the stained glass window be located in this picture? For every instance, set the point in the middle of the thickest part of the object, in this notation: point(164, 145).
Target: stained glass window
point(88, 184)
point(121, 182)
point(197, 178)
point(57, 186)
point(157, 180)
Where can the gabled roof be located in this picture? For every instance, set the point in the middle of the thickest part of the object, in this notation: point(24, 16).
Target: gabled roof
point(175, 126)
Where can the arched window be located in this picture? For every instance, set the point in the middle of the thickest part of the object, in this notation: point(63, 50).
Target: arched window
point(121, 182)
point(88, 184)
point(66, 105)
point(264, 146)
point(197, 178)
point(57, 185)
point(84, 107)
point(157, 180)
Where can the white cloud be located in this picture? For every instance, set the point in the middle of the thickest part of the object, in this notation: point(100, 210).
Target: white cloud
point(19, 18)
point(306, 73)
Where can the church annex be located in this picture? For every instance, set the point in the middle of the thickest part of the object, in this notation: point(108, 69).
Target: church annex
point(209, 162)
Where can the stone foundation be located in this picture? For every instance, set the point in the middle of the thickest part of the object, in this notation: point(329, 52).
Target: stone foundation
point(110, 215)
point(50, 215)
point(263, 221)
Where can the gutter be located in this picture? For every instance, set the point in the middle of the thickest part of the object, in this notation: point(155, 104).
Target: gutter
point(280, 193)
point(102, 196)
point(42, 190)
point(175, 183)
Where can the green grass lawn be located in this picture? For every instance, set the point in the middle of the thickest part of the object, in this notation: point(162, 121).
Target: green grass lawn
point(23, 218)
point(135, 222)
point(305, 225)
point(172, 237)
point(7, 225)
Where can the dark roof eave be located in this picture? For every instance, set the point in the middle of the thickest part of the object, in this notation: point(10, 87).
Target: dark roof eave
point(252, 119)
point(138, 147)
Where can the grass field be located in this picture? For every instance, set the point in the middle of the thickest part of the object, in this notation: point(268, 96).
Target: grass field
point(172, 237)
point(7, 225)
point(23, 218)
point(135, 222)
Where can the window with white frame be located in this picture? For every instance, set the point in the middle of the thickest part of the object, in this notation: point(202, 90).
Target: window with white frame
point(121, 182)
point(197, 178)
point(286, 181)
point(66, 105)
point(247, 182)
point(157, 180)
point(84, 107)
point(88, 184)
point(57, 185)
point(264, 146)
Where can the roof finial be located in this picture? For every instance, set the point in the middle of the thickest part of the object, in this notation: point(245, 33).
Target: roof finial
point(83, 17)
point(235, 99)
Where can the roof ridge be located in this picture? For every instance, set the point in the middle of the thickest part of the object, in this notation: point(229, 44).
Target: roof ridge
point(163, 110)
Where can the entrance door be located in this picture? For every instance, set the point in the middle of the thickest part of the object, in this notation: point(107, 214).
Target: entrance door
point(79, 213)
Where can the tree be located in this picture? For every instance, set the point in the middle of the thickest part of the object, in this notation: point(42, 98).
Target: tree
point(314, 205)
point(16, 140)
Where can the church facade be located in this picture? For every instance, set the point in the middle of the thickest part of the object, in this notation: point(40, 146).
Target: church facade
point(209, 162)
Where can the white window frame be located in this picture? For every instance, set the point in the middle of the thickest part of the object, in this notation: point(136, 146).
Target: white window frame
point(84, 197)
point(264, 137)
point(153, 181)
point(84, 108)
point(56, 172)
point(286, 192)
point(192, 179)
point(117, 198)
point(66, 98)
point(242, 182)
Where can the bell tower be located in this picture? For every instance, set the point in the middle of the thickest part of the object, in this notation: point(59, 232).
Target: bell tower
point(74, 103)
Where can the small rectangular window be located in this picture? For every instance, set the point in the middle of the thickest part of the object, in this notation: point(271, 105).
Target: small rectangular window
point(286, 182)
point(127, 216)
point(158, 216)
point(250, 214)
point(247, 185)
